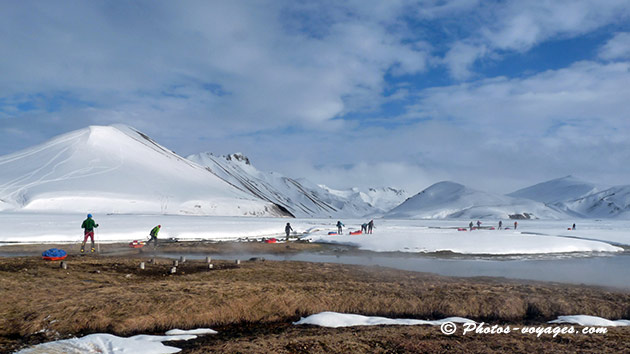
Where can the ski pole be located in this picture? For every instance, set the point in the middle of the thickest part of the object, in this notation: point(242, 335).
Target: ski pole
point(98, 245)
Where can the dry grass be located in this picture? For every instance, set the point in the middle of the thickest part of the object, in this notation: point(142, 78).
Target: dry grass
point(40, 301)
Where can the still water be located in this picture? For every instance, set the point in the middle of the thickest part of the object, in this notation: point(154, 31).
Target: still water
point(601, 269)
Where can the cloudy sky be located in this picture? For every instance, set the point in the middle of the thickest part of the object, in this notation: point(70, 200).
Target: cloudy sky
point(497, 95)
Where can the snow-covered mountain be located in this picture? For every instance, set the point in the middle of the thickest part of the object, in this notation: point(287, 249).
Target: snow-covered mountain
point(557, 190)
point(117, 169)
point(579, 198)
point(453, 200)
point(299, 196)
point(610, 203)
point(384, 199)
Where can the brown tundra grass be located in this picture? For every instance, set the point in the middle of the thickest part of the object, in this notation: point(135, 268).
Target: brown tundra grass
point(39, 301)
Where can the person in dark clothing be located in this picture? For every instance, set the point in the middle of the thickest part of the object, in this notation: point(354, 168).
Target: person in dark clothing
point(573, 228)
point(364, 227)
point(370, 226)
point(287, 230)
point(478, 224)
point(500, 224)
point(515, 225)
point(470, 226)
point(154, 234)
point(340, 226)
point(88, 225)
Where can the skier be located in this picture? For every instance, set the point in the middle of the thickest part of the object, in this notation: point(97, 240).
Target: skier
point(153, 234)
point(470, 226)
point(340, 226)
point(500, 224)
point(288, 230)
point(88, 225)
point(370, 226)
point(364, 227)
point(478, 224)
point(573, 228)
point(515, 224)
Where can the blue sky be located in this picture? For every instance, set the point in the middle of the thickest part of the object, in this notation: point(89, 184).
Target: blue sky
point(493, 94)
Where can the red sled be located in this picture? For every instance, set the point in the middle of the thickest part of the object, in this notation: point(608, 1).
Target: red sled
point(271, 240)
point(358, 232)
point(54, 258)
point(569, 228)
point(136, 244)
point(461, 229)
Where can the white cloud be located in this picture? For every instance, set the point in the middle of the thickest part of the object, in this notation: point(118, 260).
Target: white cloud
point(117, 57)
point(461, 57)
point(520, 25)
point(617, 47)
point(585, 91)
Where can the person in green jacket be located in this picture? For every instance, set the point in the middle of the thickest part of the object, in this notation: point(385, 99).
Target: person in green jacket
point(88, 227)
point(154, 234)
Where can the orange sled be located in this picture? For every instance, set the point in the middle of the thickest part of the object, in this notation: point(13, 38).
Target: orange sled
point(136, 244)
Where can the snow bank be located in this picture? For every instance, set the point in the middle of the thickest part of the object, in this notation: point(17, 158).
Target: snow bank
point(593, 321)
point(335, 319)
point(426, 240)
point(176, 332)
point(103, 343)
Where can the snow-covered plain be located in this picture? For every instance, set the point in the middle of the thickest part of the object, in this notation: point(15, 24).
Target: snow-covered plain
point(421, 236)
point(437, 236)
point(104, 343)
point(336, 319)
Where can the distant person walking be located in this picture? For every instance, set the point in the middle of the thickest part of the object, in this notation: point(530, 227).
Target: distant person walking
point(500, 224)
point(340, 226)
point(287, 230)
point(478, 224)
point(154, 235)
point(370, 226)
point(515, 225)
point(573, 228)
point(88, 227)
point(470, 226)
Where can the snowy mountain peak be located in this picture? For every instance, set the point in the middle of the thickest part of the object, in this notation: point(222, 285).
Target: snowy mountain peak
point(117, 169)
point(448, 199)
point(383, 199)
point(298, 196)
point(238, 157)
point(557, 190)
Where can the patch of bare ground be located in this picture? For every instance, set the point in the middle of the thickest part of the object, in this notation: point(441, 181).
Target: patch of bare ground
point(40, 302)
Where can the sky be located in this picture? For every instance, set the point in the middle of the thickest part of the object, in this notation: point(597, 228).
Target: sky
point(497, 95)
